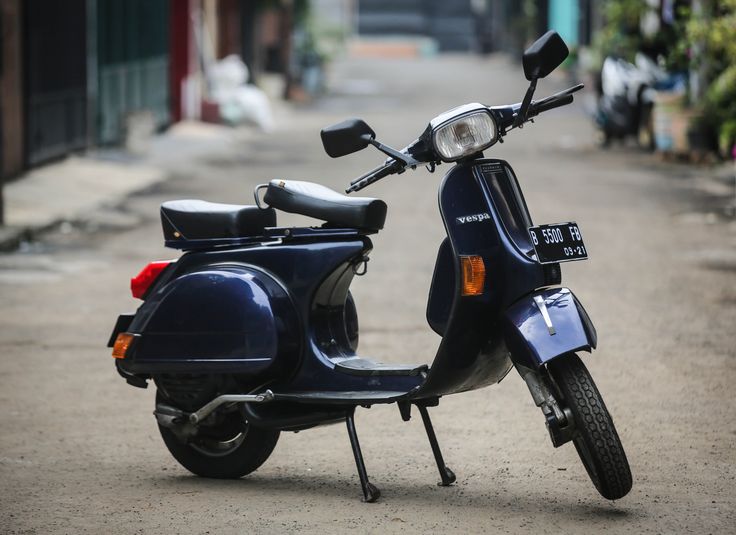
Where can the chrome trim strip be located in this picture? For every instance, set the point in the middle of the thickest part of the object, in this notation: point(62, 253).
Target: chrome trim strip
point(545, 314)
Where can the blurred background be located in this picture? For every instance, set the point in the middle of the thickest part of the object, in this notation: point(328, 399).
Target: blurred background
point(90, 73)
point(110, 107)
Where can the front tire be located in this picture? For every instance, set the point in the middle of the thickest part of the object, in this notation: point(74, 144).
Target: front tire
point(595, 436)
point(229, 449)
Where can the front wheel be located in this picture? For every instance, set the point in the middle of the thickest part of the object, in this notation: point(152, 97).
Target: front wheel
point(595, 436)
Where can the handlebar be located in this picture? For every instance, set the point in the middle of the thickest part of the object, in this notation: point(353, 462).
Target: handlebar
point(382, 171)
point(506, 117)
point(561, 98)
point(550, 104)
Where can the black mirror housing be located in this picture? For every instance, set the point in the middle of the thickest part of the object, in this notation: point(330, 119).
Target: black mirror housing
point(544, 55)
point(346, 137)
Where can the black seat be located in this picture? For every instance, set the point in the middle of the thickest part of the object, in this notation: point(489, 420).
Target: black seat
point(317, 201)
point(197, 220)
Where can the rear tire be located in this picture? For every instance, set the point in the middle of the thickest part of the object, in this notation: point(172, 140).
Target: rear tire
point(227, 450)
point(595, 436)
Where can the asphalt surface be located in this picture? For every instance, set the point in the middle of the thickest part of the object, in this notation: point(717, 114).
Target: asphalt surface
point(79, 449)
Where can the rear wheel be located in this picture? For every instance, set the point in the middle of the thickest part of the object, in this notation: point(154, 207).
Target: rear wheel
point(227, 448)
point(595, 436)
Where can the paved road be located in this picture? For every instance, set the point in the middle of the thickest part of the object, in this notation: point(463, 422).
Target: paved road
point(79, 450)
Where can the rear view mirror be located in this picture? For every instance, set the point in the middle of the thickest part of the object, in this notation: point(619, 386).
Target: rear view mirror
point(544, 56)
point(346, 137)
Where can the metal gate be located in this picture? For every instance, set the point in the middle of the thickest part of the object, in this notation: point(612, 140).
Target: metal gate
point(133, 64)
point(55, 88)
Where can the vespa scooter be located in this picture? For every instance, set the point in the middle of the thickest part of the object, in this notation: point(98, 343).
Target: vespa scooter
point(253, 330)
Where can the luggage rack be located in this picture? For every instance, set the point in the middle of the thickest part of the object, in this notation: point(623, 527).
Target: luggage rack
point(270, 234)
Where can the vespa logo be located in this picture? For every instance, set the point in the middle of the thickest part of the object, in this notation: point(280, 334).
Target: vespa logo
point(475, 218)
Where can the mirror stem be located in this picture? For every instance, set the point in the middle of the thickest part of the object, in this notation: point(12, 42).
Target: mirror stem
point(405, 159)
point(524, 110)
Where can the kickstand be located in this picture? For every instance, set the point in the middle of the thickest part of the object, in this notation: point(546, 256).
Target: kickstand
point(370, 491)
point(447, 475)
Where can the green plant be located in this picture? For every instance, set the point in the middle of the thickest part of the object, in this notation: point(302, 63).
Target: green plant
point(727, 138)
point(711, 35)
point(316, 39)
point(620, 35)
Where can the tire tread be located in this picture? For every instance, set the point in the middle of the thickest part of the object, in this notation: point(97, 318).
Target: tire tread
point(595, 427)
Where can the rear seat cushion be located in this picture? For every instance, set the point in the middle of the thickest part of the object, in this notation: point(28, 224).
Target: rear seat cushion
point(193, 219)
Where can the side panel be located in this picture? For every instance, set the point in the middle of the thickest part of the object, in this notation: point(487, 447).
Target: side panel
point(234, 319)
point(310, 326)
point(528, 336)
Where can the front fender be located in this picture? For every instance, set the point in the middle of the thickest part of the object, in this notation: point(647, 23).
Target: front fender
point(528, 336)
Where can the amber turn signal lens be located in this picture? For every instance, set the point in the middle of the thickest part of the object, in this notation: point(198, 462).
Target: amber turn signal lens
point(122, 344)
point(474, 275)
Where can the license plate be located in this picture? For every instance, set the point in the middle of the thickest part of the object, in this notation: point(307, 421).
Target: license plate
point(558, 243)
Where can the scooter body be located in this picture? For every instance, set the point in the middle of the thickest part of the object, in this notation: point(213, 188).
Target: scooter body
point(253, 331)
point(277, 311)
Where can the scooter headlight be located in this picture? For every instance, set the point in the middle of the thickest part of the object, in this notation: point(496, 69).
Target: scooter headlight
point(464, 135)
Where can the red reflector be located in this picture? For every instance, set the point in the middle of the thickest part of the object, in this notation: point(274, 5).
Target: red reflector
point(140, 283)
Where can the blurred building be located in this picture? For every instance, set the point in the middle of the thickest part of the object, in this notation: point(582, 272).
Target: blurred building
point(74, 74)
point(479, 25)
point(450, 24)
point(510, 25)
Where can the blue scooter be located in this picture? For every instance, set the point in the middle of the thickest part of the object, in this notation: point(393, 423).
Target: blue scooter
point(253, 330)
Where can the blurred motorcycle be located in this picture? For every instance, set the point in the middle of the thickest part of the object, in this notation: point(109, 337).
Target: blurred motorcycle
point(626, 99)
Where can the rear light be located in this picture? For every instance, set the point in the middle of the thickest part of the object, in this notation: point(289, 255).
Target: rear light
point(474, 275)
point(140, 284)
point(122, 345)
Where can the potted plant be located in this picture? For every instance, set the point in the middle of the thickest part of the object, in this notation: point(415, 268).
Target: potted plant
point(711, 36)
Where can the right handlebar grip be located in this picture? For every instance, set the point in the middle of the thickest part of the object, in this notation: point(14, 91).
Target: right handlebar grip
point(552, 104)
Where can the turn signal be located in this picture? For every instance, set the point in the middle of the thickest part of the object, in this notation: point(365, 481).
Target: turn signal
point(474, 275)
point(122, 344)
point(140, 283)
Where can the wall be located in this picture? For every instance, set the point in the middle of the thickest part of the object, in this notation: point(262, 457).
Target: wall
point(11, 105)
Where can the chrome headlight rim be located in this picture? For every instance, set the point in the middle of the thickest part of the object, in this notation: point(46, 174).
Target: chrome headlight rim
point(475, 110)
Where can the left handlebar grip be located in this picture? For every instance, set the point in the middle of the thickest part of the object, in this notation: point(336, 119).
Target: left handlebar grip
point(362, 182)
point(369, 174)
point(377, 174)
